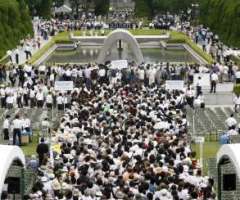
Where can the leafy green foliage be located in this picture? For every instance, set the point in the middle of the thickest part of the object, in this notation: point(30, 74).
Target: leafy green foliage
point(101, 7)
point(15, 24)
point(223, 17)
point(236, 89)
point(143, 8)
point(150, 7)
point(45, 9)
point(41, 8)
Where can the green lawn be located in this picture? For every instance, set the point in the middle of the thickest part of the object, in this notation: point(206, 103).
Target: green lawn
point(178, 37)
point(30, 148)
point(106, 32)
point(210, 150)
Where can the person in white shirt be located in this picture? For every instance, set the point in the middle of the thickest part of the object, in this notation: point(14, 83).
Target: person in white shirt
point(45, 128)
point(52, 79)
point(6, 126)
point(28, 51)
point(190, 96)
point(231, 122)
point(10, 101)
point(214, 80)
point(49, 100)
point(17, 125)
point(199, 101)
point(101, 74)
point(26, 124)
point(68, 75)
point(141, 75)
point(236, 103)
point(32, 96)
point(3, 97)
point(40, 99)
point(60, 102)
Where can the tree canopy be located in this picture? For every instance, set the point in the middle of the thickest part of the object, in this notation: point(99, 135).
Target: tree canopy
point(40, 8)
point(223, 17)
point(151, 7)
point(15, 24)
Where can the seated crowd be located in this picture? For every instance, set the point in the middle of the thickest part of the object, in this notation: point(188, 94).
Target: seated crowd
point(121, 140)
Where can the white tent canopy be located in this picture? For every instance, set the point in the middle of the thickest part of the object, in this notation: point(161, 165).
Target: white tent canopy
point(8, 155)
point(63, 9)
point(231, 152)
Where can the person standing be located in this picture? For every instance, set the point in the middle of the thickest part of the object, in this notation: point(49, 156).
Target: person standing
point(19, 98)
point(49, 100)
point(6, 126)
point(214, 80)
point(42, 151)
point(16, 56)
point(3, 97)
point(9, 54)
point(10, 101)
point(60, 102)
point(40, 98)
point(236, 102)
point(198, 87)
point(231, 122)
point(28, 51)
point(17, 128)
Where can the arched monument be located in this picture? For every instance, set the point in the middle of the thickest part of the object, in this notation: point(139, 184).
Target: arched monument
point(9, 155)
point(120, 35)
point(228, 171)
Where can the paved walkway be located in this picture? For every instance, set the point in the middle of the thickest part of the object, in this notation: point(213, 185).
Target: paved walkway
point(22, 55)
point(224, 95)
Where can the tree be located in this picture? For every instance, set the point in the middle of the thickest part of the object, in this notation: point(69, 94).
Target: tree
point(15, 24)
point(142, 8)
point(101, 7)
point(223, 17)
point(76, 5)
point(45, 9)
point(34, 6)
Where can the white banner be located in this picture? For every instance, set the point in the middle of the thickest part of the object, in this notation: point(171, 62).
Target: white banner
point(119, 64)
point(174, 85)
point(63, 85)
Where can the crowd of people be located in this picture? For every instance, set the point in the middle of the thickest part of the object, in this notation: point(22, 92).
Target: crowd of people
point(122, 142)
point(26, 86)
point(123, 135)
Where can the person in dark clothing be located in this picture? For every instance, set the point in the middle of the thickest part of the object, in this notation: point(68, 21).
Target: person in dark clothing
point(42, 151)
